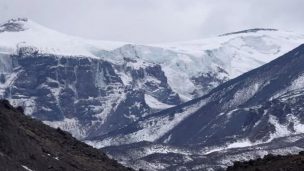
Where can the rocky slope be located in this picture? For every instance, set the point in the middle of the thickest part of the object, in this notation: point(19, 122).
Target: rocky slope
point(260, 109)
point(27, 144)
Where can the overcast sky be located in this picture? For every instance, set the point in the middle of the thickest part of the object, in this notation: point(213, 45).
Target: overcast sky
point(151, 21)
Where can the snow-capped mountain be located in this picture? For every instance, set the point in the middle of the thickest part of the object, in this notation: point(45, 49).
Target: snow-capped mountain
point(77, 84)
point(192, 68)
point(250, 116)
point(96, 88)
point(23, 32)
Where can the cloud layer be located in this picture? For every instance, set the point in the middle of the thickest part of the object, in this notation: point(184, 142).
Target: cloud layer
point(150, 21)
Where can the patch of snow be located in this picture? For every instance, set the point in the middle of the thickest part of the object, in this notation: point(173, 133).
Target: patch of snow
point(26, 168)
point(294, 88)
point(237, 144)
point(297, 83)
point(230, 113)
point(243, 95)
point(168, 139)
point(108, 104)
point(240, 144)
point(180, 82)
point(154, 103)
point(125, 78)
point(29, 104)
point(297, 125)
point(280, 130)
point(99, 78)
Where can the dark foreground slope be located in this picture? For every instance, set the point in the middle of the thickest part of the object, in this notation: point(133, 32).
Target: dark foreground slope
point(27, 144)
point(270, 162)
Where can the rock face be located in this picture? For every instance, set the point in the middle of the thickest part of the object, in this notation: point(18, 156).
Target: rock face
point(82, 95)
point(28, 144)
point(252, 111)
point(14, 25)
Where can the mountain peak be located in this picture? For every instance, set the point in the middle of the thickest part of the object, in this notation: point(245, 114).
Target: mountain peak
point(20, 19)
point(14, 25)
point(254, 30)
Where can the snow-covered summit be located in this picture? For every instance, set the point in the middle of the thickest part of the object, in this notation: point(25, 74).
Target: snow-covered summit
point(238, 53)
point(186, 64)
point(21, 32)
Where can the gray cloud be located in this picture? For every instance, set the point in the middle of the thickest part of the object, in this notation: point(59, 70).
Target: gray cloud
point(149, 21)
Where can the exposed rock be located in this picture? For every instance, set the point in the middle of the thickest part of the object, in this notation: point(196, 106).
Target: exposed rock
point(271, 162)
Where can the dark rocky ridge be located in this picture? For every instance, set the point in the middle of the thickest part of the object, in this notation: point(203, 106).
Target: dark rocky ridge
point(28, 144)
point(249, 31)
point(13, 25)
point(271, 162)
